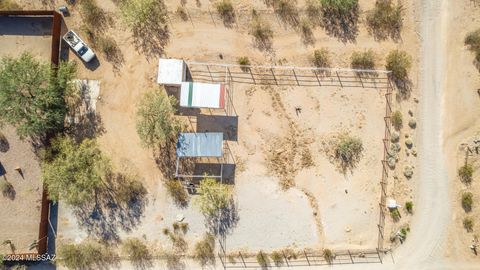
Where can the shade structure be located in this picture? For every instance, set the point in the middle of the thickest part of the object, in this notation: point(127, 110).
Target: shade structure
point(208, 144)
point(171, 72)
point(202, 95)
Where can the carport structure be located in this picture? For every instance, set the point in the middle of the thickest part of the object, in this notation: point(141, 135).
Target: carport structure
point(207, 145)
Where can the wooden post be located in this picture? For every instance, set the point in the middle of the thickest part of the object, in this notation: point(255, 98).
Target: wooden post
point(210, 73)
point(241, 257)
point(318, 80)
point(339, 80)
point(379, 257)
point(306, 257)
point(286, 259)
point(350, 254)
point(273, 74)
point(295, 74)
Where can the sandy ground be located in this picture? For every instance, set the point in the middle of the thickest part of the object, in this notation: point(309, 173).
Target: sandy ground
point(20, 216)
point(205, 38)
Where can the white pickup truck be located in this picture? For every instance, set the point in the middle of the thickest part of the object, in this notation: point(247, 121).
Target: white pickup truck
point(77, 44)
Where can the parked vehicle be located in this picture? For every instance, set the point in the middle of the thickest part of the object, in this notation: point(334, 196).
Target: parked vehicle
point(79, 46)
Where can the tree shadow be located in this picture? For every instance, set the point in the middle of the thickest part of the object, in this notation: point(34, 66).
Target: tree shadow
point(343, 26)
point(120, 204)
point(225, 221)
point(4, 144)
point(404, 88)
point(8, 191)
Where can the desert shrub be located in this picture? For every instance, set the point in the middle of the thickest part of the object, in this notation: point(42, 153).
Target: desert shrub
point(468, 224)
point(340, 18)
point(87, 256)
point(328, 255)
point(385, 19)
point(347, 151)
point(32, 99)
point(244, 62)
point(213, 196)
point(76, 172)
point(226, 11)
point(399, 62)
point(232, 258)
point(277, 258)
point(182, 13)
point(306, 32)
point(261, 32)
point(321, 58)
point(313, 10)
point(174, 261)
point(286, 10)
point(466, 173)
point(147, 19)
point(137, 252)
point(290, 253)
point(340, 7)
point(472, 40)
point(397, 119)
point(262, 259)
point(94, 16)
point(9, 5)
point(395, 214)
point(467, 201)
point(7, 189)
point(184, 227)
point(409, 206)
point(204, 251)
point(177, 192)
point(156, 121)
point(363, 60)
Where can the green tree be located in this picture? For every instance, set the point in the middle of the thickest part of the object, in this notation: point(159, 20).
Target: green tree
point(76, 172)
point(340, 7)
point(156, 121)
point(385, 19)
point(213, 196)
point(466, 173)
point(348, 150)
point(87, 255)
point(263, 259)
point(397, 119)
point(363, 60)
point(467, 201)
point(399, 62)
point(321, 58)
point(32, 98)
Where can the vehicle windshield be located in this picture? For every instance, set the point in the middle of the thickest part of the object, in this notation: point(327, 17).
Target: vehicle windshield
point(82, 50)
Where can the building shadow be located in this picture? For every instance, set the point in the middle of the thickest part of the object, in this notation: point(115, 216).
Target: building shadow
point(228, 125)
point(228, 171)
point(52, 230)
point(27, 26)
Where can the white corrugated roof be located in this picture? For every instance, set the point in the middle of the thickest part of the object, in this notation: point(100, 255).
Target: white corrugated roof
point(171, 71)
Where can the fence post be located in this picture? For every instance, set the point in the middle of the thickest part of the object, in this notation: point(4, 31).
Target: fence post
point(295, 74)
point(318, 80)
point(350, 254)
point(286, 259)
point(253, 77)
point(306, 257)
point(221, 260)
point(379, 257)
point(241, 257)
point(210, 73)
point(339, 80)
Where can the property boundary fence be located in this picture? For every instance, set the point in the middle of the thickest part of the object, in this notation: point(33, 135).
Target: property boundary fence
point(42, 240)
point(308, 77)
point(288, 76)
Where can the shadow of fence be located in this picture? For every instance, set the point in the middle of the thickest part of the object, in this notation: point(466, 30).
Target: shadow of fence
point(288, 76)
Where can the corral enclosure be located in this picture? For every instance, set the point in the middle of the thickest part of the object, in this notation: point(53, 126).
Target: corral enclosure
point(289, 193)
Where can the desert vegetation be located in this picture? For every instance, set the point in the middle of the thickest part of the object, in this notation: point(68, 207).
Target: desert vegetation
point(9, 5)
point(138, 253)
point(204, 250)
point(177, 192)
point(344, 150)
point(468, 224)
point(87, 255)
point(397, 120)
point(244, 61)
point(261, 32)
point(147, 19)
point(466, 173)
point(363, 60)
point(74, 172)
point(340, 18)
point(277, 258)
point(226, 11)
point(399, 63)
point(385, 20)
point(321, 58)
point(472, 40)
point(156, 121)
point(328, 255)
point(409, 207)
point(263, 260)
point(467, 201)
point(32, 97)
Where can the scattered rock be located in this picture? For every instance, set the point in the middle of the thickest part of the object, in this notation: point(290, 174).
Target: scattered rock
point(415, 100)
point(410, 112)
point(409, 143)
point(348, 229)
point(395, 137)
point(391, 162)
point(414, 152)
point(406, 135)
point(408, 171)
point(412, 123)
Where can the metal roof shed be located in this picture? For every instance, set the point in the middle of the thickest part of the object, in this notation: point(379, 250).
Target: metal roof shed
point(202, 95)
point(197, 145)
point(171, 72)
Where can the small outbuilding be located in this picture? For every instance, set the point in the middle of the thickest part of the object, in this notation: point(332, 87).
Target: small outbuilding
point(202, 95)
point(171, 72)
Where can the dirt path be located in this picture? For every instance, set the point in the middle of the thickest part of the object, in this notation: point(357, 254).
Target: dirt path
point(432, 207)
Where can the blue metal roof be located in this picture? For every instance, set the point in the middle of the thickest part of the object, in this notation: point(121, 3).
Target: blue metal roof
point(200, 144)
